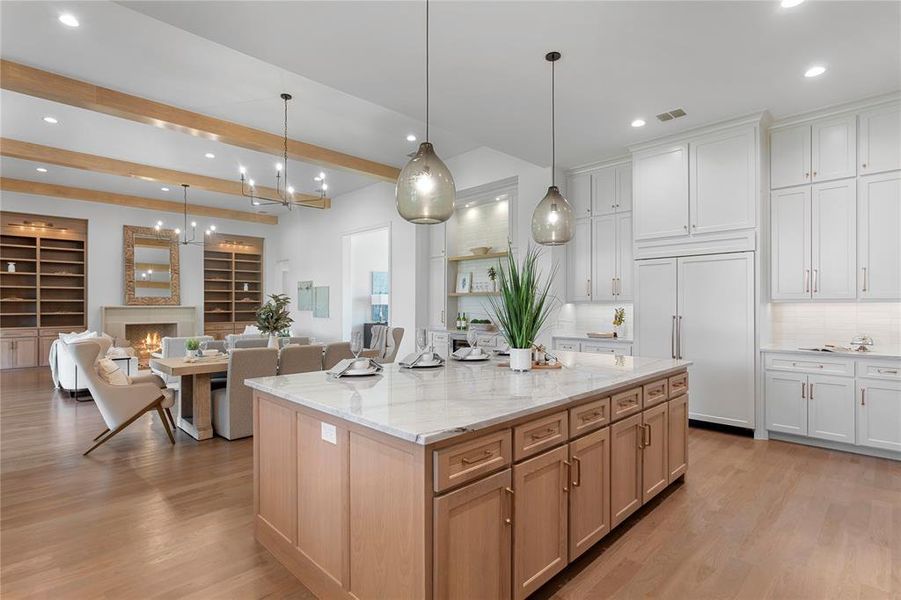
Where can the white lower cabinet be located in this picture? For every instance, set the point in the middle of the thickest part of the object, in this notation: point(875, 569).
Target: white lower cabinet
point(879, 414)
point(830, 408)
point(786, 403)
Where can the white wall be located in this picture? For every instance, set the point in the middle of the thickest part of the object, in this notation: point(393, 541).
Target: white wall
point(311, 242)
point(105, 247)
point(365, 252)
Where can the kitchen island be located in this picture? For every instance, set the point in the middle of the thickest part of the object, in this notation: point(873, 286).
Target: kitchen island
point(466, 481)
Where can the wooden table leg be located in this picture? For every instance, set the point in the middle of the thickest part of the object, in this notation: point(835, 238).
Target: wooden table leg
point(195, 406)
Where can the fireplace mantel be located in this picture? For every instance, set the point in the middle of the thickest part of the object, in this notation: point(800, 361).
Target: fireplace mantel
point(115, 318)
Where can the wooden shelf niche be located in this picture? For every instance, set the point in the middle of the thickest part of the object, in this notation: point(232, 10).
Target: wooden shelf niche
point(232, 283)
point(47, 293)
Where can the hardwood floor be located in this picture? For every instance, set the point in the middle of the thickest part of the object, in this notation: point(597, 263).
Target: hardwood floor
point(140, 518)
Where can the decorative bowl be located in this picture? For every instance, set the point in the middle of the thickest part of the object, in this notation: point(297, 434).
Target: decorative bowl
point(480, 250)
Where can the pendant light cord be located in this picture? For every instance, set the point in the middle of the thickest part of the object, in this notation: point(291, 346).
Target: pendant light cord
point(286, 151)
point(553, 125)
point(427, 70)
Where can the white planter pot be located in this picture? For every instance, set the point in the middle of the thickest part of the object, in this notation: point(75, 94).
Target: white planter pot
point(273, 342)
point(521, 359)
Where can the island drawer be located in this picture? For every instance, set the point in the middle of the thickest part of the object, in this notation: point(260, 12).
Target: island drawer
point(678, 384)
point(810, 364)
point(589, 417)
point(625, 403)
point(471, 459)
point(533, 437)
point(875, 368)
point(654, 393)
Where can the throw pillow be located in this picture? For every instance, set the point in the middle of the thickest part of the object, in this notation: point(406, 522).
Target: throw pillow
point(110, 372)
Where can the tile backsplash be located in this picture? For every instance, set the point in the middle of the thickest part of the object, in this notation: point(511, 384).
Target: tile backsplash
point(808, 324)
point(582, 318)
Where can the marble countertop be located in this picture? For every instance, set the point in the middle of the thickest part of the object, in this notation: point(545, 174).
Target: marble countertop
point(428, 405)
point(874, 352)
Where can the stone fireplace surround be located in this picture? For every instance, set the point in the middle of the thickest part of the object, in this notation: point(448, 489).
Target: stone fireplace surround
point(115, 318)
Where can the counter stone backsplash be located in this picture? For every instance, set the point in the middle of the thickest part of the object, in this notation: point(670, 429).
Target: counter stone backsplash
point(809, 324)
point(576, 318)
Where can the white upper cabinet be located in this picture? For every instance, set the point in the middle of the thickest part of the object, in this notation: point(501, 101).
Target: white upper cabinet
point(834, 148)
point(660, 188)
point(880, 139)
point(624, 257)
point(623, 188)
point(578, 261)
point(878, 240)
point(603, 231)
point(578, 192)
point(790, 156)
point(723, 193)
point(833, 240)
point(603, 185)
point(790, 244)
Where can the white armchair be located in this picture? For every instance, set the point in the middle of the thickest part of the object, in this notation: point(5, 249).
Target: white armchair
point(65, 371)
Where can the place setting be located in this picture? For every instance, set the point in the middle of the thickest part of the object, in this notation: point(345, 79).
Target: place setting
point(472, 353)
point(425, 356)
point(356, 366)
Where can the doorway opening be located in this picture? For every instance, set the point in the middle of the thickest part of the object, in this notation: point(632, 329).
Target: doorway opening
point(366, 289)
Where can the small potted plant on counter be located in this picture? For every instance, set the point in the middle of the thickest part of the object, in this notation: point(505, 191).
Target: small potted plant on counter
point(273, 318)
point(619, 319)
point(523, 306)
point(492, 275)
point(192, 347)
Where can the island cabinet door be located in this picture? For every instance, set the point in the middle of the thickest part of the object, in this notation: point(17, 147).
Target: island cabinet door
point(677, 457)
point(473, 538)
point(625, 468)
point(540, 515)
point(589, 501)
point(654, 465)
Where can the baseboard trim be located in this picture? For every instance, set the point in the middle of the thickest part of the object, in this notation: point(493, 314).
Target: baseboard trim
point(828, 445)
point(734, 430)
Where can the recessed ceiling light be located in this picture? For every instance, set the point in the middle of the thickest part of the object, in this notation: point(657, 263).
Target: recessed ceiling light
point(791, 3)
point(210, 155)
point(68, 20)
point(321, 174)
point(51, 120)
point(290, 189)
point(638, 123)
point(815, 71)
point(41, 170)
point(165, 189)
point(411, 137)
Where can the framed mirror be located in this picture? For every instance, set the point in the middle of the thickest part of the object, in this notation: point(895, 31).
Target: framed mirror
point(151, 266)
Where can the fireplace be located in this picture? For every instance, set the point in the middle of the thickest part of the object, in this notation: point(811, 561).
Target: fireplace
point(146, 338)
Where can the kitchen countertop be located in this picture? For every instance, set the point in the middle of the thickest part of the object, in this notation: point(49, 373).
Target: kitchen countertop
point(581, 335)
point(889, 352)
point(428, 405)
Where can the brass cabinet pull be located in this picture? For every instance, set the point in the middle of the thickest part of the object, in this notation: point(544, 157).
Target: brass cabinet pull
point(648, 429)
point(590, 416)
point(672, 342)
point(470, 461)
point(679, 339)
point(510, 505)
point(569, 474)
point(613, 286)
point(540, 436)
point(806, 280)
point(863, 396)
point(625, 403)
point(803, 390)
point(640, 437)
point(816, 281)
point(866, 280)
point(887, 371)
point(578, 481)
point(811, 391)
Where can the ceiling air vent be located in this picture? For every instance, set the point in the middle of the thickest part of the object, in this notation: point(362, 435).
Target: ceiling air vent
point(669, 116)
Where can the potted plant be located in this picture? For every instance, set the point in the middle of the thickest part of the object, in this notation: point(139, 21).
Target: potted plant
point(273, 318)
point(193, 347)
point(619, 318)
point(523, 306)
point(492, 275)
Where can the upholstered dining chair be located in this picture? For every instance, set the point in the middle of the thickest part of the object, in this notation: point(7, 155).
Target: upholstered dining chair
point(233, 406)
point(395, 336)
point(296, 341)
point(257, 342)
point(174, 347)
point(121, 405)
point(335, 353)
point(299, 359)
point(219, 345)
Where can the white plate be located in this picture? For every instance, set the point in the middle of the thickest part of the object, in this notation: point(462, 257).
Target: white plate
point(429, 365)
point(480, 358)
point(360, 372)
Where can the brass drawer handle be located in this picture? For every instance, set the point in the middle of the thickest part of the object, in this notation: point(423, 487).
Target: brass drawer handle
point(591, 416)
point(627, 403)
point(578, 480)
point(509, 520)
point(887, 371)
point(546, 433)
point(471, 461)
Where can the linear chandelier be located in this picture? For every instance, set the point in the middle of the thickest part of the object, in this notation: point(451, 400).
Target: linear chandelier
point(183, 237)
point(284, 193)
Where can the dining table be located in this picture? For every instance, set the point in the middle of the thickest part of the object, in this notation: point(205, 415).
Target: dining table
point(195, 404)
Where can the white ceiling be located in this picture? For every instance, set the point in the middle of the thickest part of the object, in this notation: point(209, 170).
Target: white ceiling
point(621, 60)
point(356, 72)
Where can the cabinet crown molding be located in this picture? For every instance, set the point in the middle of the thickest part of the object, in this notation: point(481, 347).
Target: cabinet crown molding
point(835, 110)
point(624, 159)
point(757, 118)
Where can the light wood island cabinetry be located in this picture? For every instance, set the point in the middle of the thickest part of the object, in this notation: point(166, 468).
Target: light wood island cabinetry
point(358, 507)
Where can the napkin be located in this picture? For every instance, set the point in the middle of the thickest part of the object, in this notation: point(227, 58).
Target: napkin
point(353, 363)
point(464, 352)
point(413, 359)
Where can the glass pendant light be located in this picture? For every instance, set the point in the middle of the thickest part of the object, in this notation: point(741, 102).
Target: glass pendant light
point(552, 221)
point(425, 187)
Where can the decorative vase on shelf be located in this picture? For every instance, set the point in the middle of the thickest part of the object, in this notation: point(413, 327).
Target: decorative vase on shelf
point(520, 359)
point(246, 287)
point(273, 341)
point(11, 267)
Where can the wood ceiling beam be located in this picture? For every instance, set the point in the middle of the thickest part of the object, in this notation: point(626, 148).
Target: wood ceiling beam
point(20, 78)
point(111, 166)
point(66, 192)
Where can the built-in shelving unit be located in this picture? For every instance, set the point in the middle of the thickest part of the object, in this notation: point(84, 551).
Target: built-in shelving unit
point(232, 283)
point(477, 256)
point(47, 291)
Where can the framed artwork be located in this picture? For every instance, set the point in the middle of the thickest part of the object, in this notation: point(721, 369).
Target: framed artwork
point(464, 283)
point(304, 295)
point(379, 282)
point(320, 301)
